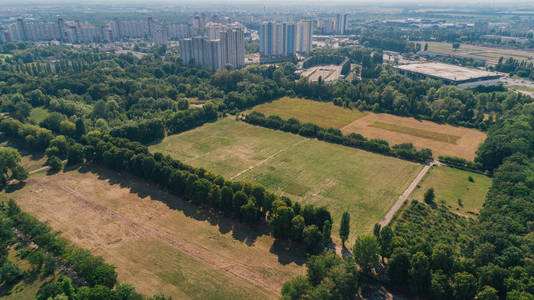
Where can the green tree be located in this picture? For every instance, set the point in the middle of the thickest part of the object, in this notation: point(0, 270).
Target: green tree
point(399, 266)
point(442, 258)
point(327, 231)
point(296, 289)
point(297, 227)
point(429, 196)
point(344, 227)
point(365, 251)
point(386, 241)
point(464, 286)
point(419, 273)
point(487, 293)
point(439, 285)
point(55, 163)
point(311, 236)
point(10, 166)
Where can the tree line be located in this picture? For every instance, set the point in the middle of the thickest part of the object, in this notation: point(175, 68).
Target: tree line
point(94, 279)
point(332, 135)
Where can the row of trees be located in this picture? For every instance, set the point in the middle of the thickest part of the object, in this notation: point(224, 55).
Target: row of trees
point(251, 203)
point(521, 68)
point(93, 278)
point(332, 135)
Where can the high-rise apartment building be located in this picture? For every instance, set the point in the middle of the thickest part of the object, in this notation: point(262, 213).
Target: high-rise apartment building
point(215, 54)
point(341, 23)
point(304, 36)
point(284, 39)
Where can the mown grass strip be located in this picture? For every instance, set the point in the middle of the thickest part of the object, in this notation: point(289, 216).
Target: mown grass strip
point(442, 137)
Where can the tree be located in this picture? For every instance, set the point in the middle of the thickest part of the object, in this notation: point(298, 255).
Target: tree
point(429, 196)
point(75, 154)
point(296, 289)
point(426, 47)
point(442, 258)
point(311, 236)
point(80, 128)
point(10, 167)
point(55, 163)
point(327, 230)
point(365, 251)
point(487, 293)
point(464, 286)
point(455, 45)
point(386, 241)
point(399, 266)
point(440, 286)
point(297, 227)
point(419, 273)
point(344, 227)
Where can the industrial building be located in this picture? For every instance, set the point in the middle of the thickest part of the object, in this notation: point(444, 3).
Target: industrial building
point(450, 74)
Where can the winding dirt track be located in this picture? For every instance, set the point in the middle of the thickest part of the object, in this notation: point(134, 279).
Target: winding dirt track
point(212, 258)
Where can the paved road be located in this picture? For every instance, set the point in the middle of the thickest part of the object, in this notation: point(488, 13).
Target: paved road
point(393, 210)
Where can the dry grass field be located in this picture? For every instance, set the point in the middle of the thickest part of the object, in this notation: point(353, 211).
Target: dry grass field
point(324, 114)
point(441, 139)
point(491, 55)
point(341, 178)
point(452, 184)
point(158, 242)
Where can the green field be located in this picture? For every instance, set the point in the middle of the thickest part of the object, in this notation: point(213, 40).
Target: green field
point(442, 137)
point(310, 171)
point(321, 113)
point(451, 184)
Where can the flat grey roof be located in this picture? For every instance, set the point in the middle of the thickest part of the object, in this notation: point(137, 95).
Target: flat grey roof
point(446, 71)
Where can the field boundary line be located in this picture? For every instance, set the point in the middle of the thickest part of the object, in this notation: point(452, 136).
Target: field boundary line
point(267, 159)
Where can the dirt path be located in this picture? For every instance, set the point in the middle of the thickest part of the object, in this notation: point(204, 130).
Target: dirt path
point(393, 210)
point(197, 252)
point(267, 159)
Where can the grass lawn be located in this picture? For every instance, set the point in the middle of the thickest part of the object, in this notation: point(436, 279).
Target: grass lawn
point(324, 114)
point(159, 243)
point(38, 114)
point(451, 184)
point(306, 170)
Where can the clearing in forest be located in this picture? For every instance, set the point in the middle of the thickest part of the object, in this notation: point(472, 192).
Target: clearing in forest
point(442, 139)
point(310, 171)
point(324, 114)
point(461, 194)
point(159, 243)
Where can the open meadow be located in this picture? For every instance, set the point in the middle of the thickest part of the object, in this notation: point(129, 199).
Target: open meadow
point(310, 171)
point(441, 139)
point(159, 243)
point(491, 55)
point(324, 114)
point(461, 195)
